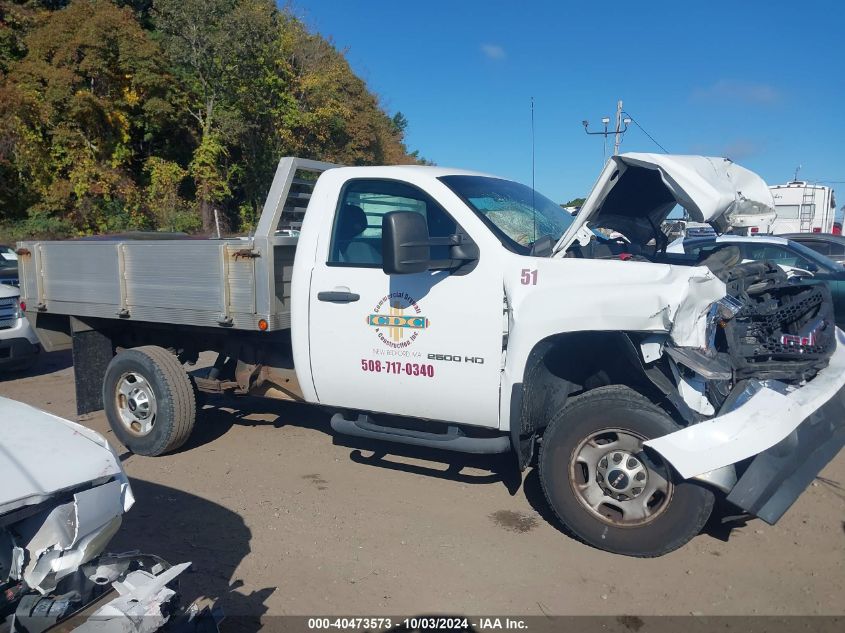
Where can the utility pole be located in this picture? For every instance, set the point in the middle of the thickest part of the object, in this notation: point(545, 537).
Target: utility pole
point(620, 128)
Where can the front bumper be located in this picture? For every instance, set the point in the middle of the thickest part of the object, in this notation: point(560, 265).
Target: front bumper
point(18, 344)
point(16, 351)
point(778, 476)
point(791, 436)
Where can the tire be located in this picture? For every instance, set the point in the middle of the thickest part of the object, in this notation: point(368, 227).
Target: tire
point(653, 513)
point(149, 400)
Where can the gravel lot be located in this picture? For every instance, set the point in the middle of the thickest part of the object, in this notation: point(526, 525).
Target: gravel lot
point(280, 517)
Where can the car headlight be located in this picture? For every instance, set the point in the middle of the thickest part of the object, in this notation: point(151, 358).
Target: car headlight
point(720, 312)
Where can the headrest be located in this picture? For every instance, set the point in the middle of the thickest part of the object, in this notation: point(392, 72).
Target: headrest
point(352, 221)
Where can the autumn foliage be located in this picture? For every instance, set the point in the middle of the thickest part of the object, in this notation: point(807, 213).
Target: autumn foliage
point(155, 115)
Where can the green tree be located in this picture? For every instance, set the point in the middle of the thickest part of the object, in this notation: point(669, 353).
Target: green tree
point(218, 47)
point(210, 177)
point(164, 203)
point(81, 110)
point(334, 115)
point(154, 113)
point(575, 202)
point(400, 123)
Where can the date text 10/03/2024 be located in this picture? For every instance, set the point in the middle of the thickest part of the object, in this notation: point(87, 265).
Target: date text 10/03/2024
point(397, 367)
point(419, 623)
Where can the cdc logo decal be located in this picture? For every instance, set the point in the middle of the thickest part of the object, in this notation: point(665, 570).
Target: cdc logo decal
point(397, 320)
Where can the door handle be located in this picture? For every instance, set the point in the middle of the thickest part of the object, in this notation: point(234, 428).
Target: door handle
point(337, 296)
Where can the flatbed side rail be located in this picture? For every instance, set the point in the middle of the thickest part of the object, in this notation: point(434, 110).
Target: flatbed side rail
point(240, 283)
point(193, 282)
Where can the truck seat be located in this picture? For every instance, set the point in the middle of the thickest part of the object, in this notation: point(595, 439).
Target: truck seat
point(349, 245)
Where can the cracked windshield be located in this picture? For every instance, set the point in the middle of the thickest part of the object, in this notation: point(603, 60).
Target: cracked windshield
point(517, 214)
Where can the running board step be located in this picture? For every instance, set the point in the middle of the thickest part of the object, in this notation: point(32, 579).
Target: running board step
point(453, 440)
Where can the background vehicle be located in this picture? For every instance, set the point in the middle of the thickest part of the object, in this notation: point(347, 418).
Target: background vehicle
point(456, 310)
point(8, 266)
point(789, 254)
point(683, 228)
point(803, 207)
point(19, 346)
point(63, 497)
point(830, 245)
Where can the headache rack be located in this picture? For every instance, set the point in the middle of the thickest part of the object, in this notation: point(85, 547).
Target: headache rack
point(232, 282)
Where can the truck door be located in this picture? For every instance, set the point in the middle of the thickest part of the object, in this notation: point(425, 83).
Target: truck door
point(424, 345)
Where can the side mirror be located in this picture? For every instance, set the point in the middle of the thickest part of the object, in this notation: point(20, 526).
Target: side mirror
point(813, 267)
point(404, 243)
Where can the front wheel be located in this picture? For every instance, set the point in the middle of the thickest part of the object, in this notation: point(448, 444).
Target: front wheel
point(605, 489)
point(149, 400)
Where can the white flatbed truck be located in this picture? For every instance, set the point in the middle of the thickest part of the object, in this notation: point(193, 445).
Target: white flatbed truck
point(456, 310)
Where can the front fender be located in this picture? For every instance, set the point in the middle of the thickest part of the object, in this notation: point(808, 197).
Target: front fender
point(579, 295)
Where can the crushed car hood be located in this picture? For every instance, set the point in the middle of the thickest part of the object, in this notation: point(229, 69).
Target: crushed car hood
point(63, 496)
point(32, 443)
point(63, 493)
point(636, 192)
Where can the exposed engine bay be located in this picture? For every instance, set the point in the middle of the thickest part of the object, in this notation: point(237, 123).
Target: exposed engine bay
point(768, 326)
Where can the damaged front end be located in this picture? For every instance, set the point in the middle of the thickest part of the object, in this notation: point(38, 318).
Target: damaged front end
point(63, 496)
point(765, 391)
point(772, 327)
point(756, 367)
point(767, 327)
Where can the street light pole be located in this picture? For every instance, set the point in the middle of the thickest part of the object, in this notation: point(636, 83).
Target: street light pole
point(620, 129)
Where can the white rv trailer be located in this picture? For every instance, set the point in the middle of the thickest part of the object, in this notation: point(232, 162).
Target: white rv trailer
point(802, 207)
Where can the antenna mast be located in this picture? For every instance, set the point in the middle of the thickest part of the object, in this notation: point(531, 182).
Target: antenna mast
point(533, 207)
point(620, 128)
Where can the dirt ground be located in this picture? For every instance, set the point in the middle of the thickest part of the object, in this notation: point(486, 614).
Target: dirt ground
point(280, 517)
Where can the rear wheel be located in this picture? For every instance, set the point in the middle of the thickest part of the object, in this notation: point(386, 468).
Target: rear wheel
point(149, 400)
point(602, 485)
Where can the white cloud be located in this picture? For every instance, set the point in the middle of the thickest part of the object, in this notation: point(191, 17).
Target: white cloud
point(734, 90)
point(737, 149)
point(742, 148)
point(493, 51)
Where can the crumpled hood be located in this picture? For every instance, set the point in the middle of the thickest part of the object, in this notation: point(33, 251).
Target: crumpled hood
point(63, 495)
point(42, 454)
point(636, 192)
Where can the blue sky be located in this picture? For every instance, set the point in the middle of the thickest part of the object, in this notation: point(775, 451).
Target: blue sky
point(760, 82)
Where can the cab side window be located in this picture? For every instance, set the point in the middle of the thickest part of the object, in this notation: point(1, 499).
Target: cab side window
point(702, 250)
point(836, 250)
point(356, 236)
point(775, 254)
point(820, 247)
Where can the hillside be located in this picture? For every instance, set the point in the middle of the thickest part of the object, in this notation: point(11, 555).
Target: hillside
point(154, 114)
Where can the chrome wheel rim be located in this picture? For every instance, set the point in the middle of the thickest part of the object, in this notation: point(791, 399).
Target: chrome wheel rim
point(616, 481)
point(136, 404)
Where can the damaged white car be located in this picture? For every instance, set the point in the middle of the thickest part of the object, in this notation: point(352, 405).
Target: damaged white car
point(62, 499)
point(456, 310)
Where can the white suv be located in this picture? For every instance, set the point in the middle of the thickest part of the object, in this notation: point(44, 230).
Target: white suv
point(19, 348)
